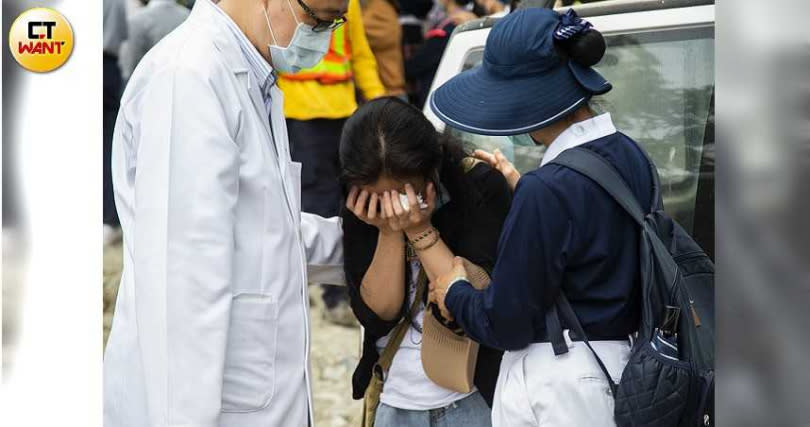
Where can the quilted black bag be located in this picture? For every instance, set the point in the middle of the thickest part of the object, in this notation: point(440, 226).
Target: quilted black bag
point(664, 384)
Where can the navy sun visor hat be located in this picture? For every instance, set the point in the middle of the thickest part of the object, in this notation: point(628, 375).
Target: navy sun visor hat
point(523, 84)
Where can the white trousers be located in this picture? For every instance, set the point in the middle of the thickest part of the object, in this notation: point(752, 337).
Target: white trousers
point(537, 388)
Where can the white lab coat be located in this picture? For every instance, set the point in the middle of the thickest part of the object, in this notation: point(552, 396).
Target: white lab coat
point(211, 323)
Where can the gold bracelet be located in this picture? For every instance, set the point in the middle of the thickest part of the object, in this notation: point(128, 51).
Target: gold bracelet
point(429, 245)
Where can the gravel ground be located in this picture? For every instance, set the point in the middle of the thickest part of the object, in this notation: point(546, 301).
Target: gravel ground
point(334, 352)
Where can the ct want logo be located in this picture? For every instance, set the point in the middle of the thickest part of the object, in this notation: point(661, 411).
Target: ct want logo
point(41, 39)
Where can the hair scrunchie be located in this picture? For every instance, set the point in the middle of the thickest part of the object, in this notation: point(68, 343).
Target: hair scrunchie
point(570, 25)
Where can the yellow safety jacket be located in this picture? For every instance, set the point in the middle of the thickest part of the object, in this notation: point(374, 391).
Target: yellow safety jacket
point(327, 90)
point(336, 65)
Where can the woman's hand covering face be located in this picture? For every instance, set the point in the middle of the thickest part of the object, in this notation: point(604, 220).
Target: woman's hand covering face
point(385, 211)
point(411, 218)
point(367, 208)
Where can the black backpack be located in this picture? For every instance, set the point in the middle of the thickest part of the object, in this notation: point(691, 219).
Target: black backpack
point(655, 389)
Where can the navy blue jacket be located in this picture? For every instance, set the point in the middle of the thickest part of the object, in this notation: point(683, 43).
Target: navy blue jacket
point(562, 232)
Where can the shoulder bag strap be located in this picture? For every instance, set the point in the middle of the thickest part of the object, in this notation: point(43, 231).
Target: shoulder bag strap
point(387, 355)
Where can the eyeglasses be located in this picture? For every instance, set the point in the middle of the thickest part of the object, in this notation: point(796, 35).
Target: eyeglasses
point(320, 24)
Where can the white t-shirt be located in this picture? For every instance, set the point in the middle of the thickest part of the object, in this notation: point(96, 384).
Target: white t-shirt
point(407, 386)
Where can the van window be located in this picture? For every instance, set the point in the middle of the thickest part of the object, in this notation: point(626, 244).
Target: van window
point(663, 84)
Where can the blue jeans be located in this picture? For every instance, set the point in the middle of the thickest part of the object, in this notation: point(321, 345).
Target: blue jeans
point(472, 411)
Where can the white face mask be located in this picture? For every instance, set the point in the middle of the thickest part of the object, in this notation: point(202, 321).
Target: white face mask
point(306, 47)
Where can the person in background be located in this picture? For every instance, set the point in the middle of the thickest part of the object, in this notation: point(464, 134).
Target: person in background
point(564, 233)
point(388, 149)
point(384, 33)
point(317, 101)
point(147, 27)
point(412, 15)
point(115, 33)
point(490, 7)
point(421, 67)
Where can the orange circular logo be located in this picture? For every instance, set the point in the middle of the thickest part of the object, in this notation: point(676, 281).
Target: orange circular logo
point(41, 39)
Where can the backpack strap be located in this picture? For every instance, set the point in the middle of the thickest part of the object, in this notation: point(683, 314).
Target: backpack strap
point(570, 318)
point(603, 173)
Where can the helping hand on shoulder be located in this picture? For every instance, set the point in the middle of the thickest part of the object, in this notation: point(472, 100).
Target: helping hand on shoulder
point(498, 161)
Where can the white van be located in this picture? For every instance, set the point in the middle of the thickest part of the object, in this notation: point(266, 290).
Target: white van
point(660, 60)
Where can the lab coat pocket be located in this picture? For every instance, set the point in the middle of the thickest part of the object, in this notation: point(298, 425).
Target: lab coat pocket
point(249, 382)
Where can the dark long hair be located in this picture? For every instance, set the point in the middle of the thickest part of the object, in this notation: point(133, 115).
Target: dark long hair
point(389, 137)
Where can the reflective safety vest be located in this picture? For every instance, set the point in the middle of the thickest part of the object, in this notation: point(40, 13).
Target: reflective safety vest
point(336, 65)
